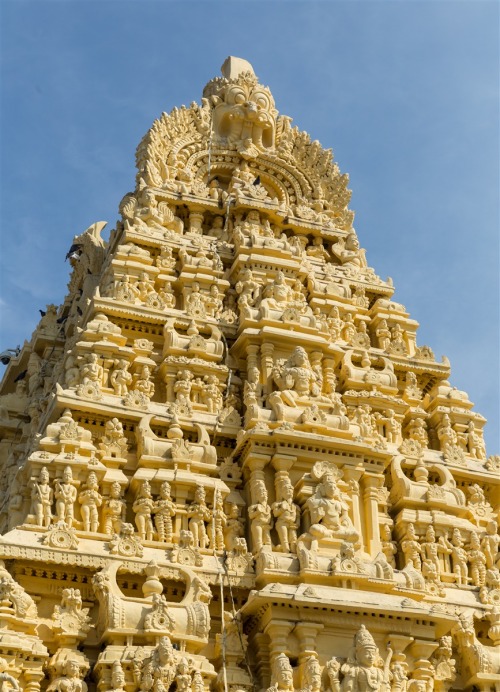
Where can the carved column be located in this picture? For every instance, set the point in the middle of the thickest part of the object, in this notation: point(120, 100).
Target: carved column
point(278, 633)
point(329, 379)
point(267, 363)
point(307, 633)
point(371, 484)
point(352, 476)
point(196, 222)
point(169, 383)
point(421, 650)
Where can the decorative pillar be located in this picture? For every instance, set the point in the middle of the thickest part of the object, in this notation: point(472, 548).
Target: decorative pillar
point(196, 222)
point(307, 633)
point(371, 484)
point(267, 363)
point(352, 476)
point(278, 633)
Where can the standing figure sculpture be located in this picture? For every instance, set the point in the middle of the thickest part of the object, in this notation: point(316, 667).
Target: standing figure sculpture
point(143, 508)
point(164, 509)
point(198, 514)
point(287, 515)
point(260, 515)
point(90, 500)
point(364, 670)
point(65, 495)
point(41, 499)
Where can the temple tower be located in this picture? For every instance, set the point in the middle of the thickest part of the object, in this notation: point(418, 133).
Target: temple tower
point(227, 461)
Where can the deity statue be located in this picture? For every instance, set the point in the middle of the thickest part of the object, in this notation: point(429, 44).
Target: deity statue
point(317, 249)
point(287, 515)
point(392, 427)
point(247, 288)
point(91, 370)
point(41, 499)
point(113, 511)
point(218, 522)
point(71, 678)
point(490, 544)
point(90, 501)
point(296, 378)
point(348, 252)
point(117, 677)
point(7, 681)
point(143, 508)
point(459, 558)
point(234, 529)
point(417, 431)
point(477, 560)
point(475, 443)
point(430, 551)
point(364, 670)
point(259, 514)
point(198, 514)
point(182, 388)
point(157, 673)
point(120, 377)
point(144, 383)
point(282, 675)
point(412, 550)
point(65, 494)
point(164, 509)
point(328, 509)
point(389, 547)
point(212, 395)
point(183, 676)
point(312, 675)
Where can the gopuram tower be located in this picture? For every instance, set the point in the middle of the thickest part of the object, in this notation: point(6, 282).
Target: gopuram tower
point(227, 462)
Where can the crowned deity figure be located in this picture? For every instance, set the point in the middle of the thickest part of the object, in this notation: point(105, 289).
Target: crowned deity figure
point(41, 499)
point(364, 670)
point(296, 380)
point(282, 675)
point(329, 511)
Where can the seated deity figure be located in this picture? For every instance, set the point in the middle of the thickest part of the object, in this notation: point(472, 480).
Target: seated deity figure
point(282, 675)
point(317, 249)
point(328, 509)
point(277, 296)
point(348, 252)
point(297, 381)
point(364, 670)
point(91, 370)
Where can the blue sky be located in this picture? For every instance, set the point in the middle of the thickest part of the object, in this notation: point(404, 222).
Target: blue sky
point(404, 92)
